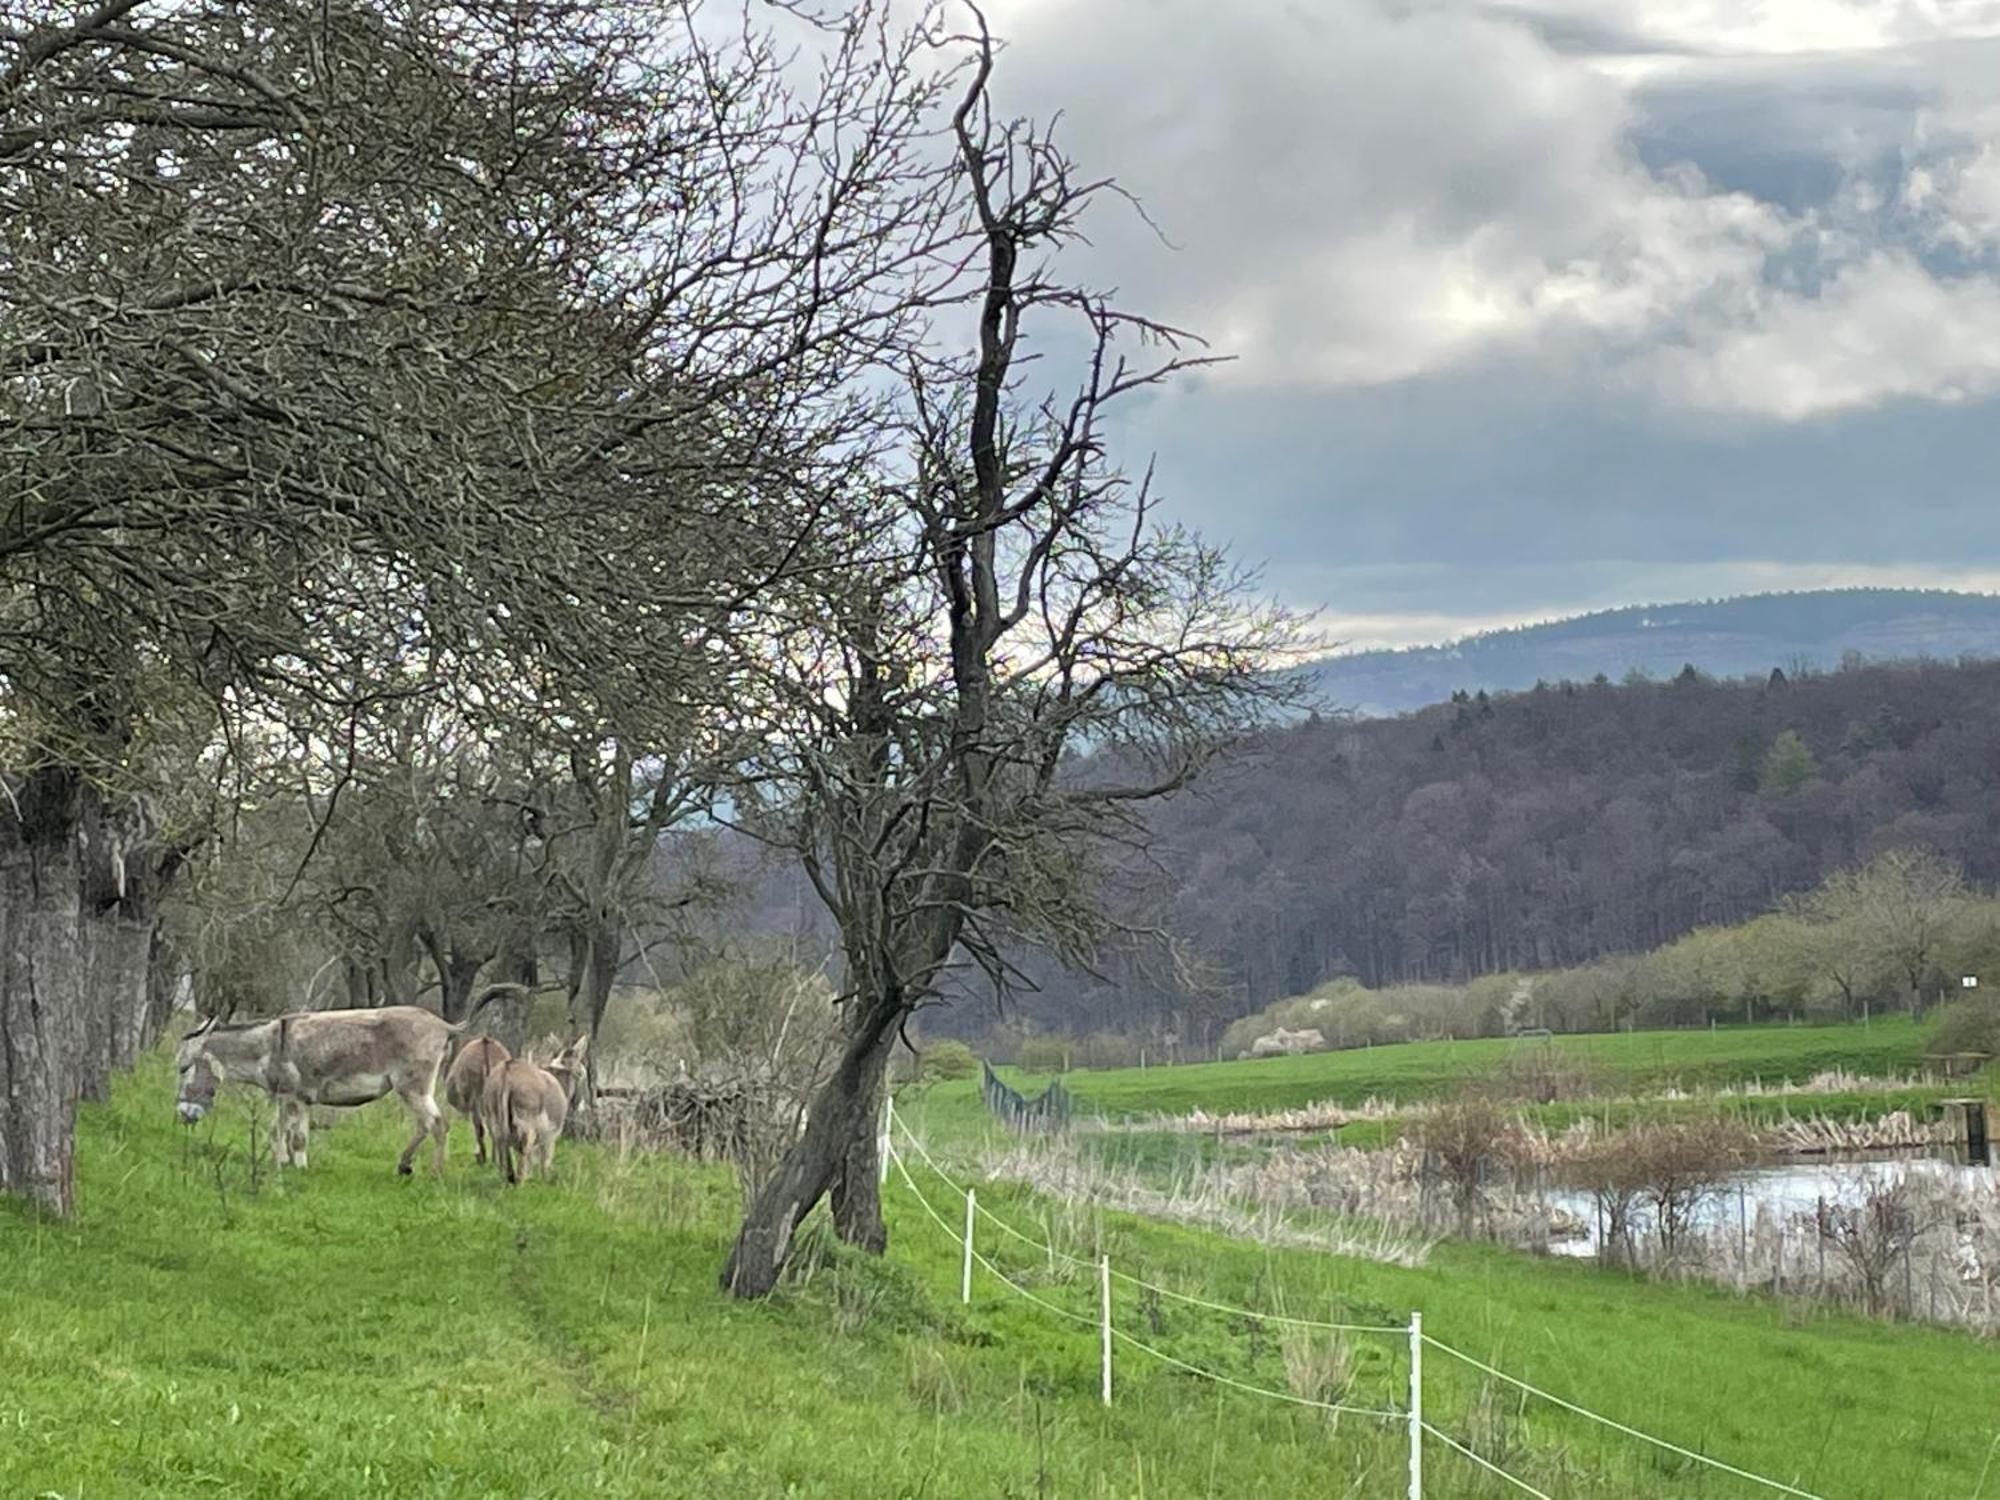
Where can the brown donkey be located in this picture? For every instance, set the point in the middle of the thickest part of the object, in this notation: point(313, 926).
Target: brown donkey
point(341, 1057)
point(465, 1084)
point(526, 1106)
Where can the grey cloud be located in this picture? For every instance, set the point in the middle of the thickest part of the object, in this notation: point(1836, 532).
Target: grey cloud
point(1501, 353)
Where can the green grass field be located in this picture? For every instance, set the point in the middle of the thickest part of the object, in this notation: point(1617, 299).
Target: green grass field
point(1632, 1062)
point(198, 1330)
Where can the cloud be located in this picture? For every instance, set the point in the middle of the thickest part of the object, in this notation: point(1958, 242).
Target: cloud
point(1372, 194)
point(1554, 305)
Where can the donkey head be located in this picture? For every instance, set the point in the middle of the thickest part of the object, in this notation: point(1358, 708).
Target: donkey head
point(199, 1073)
point(568, 1070)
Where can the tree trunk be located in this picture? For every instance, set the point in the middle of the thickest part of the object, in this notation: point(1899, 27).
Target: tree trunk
point(163, 984)
point(122, 945)
point(43, 1029)
point(844, 1109)
point(456, 972)
point(856, 1192)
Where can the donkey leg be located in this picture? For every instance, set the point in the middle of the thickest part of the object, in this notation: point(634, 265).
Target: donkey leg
point(440, 1132)
point(422, 1121)
point(299, 1131)
point(281, 1133)
point(478, 1140)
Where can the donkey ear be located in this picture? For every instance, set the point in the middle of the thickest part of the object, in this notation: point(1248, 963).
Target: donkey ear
point(203, 1029)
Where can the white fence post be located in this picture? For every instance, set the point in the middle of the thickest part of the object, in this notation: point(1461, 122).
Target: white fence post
point(888, 1121)
point(965, 1273)
point(1416, 1406)
point(1104, 1301)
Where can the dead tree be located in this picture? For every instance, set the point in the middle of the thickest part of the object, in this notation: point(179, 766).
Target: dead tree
point(1004, 658)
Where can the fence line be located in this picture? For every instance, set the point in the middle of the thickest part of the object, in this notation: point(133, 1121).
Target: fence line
point(1379, 1413)
point(1644, 1437)
point(1485, 1463)
point(1413, 1414)
point(1119, 1334)
point(1130, 1280)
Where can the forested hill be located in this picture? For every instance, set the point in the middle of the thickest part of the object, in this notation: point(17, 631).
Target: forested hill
point(1726, 638)
point(1553, 826)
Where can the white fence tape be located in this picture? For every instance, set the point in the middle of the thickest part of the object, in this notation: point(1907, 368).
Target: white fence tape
point(1102, 1324)
point(1616, 1426)
point(1487, 1464)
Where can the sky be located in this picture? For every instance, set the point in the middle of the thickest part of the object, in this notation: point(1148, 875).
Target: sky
point(1538, 308)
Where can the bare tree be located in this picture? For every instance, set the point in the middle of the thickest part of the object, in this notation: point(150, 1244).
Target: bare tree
point(350, 355)
point(1875, 1235)
point(1468, 1139)
point(1005, 659)
point(1894, 912)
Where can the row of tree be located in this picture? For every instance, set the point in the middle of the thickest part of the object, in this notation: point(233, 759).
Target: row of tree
point(448, 447)
point(1541, 830)
point(1899, 933)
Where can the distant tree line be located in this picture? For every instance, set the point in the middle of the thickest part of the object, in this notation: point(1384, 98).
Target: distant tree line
point(1536, 831)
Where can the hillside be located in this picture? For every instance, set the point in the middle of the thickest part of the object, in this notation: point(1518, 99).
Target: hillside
point(1724, 638)
point(200, 1329)
point(1539, 829)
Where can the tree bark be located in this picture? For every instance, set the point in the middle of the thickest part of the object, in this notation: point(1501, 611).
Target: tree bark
point(43, 1029)
point(845, 1107)
point(856, 1192)
point(164, 977)
point(456, 972)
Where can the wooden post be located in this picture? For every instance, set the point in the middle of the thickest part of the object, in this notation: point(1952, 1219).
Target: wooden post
point(1416, 1406)
point(1104, 1302)
point(1742, 1239)
point(965, 1272)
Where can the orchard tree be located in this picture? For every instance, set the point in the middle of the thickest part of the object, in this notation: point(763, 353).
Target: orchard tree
point(1006, 658)
point(354, 354)
point(1890, 918)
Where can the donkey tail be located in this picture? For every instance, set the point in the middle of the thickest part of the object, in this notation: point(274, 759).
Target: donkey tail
point(502, 1130)
point(493, 992)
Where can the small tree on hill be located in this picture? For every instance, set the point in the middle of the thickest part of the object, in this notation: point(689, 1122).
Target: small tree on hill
point(1788, 765)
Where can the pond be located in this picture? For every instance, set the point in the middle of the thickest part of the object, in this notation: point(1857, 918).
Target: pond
point(1781, 1190)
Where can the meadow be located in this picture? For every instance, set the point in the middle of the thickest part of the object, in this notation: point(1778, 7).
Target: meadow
point(1633, 1062)
point(204, 1327)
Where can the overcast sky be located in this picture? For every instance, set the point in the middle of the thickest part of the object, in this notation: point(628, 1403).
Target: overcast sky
point(1545, 307)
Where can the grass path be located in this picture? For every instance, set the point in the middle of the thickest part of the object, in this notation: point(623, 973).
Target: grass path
point(347, 1333)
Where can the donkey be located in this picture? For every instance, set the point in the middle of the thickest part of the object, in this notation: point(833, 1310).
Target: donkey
point(465, 1084)
point(338, 1057)
point(526, 1106)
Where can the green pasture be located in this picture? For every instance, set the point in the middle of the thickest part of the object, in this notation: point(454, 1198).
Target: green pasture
point(205, 1328)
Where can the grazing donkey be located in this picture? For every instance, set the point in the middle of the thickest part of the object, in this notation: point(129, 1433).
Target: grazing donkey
point(526, 1106)
point(341, 1057)
point(465, 1084)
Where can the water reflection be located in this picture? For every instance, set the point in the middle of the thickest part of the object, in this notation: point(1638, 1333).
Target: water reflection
point(1780, 1191)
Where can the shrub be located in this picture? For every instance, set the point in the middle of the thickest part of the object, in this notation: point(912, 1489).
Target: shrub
point(949, 1058)
point(1968, 1026)
point(1045, 1054)
point(1466, 1139)
point(1670, 1168)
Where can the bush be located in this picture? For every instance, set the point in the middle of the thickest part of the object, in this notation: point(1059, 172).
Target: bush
point(1968, 1026)
point(1044, 1054)
point(1106, 1049)
point(1671, 1168)
point(948, 1058)
point(1467, 1139)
